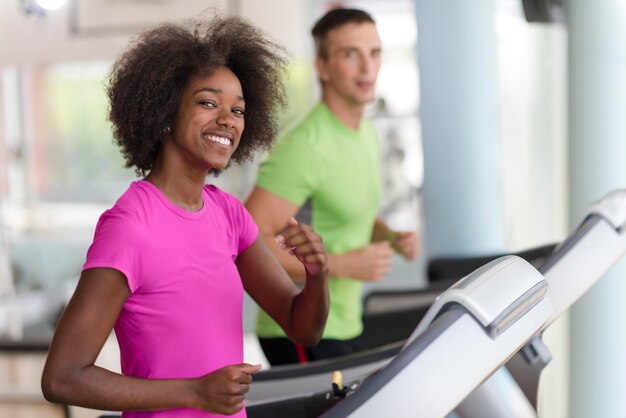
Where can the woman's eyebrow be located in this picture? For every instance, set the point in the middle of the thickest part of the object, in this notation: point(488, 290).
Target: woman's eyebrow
point(216, 91)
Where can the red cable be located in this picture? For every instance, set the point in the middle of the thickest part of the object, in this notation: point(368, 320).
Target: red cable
point(301, 353)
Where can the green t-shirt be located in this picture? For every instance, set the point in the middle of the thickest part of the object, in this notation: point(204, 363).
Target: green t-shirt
point(336, 170)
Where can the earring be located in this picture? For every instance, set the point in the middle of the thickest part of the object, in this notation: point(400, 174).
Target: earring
point(167, 129)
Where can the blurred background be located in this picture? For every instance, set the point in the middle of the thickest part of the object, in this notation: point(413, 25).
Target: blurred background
point(499, 120)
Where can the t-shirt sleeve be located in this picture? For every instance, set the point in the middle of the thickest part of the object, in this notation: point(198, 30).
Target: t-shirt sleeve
point(290, 170)
point(243, 223)
point(115, 245)
point(242, 230)
point(249, 229)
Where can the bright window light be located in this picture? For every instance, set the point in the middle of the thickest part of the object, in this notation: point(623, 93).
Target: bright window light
point(50, 4)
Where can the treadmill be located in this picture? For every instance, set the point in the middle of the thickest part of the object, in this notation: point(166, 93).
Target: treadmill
point(600, 237)
point(389, 318)
point(486, 317)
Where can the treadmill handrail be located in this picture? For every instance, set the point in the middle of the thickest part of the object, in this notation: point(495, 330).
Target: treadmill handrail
point(570, 272)
point(612, 207)
point(489, 295)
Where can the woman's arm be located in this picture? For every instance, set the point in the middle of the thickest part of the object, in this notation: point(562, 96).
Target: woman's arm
point(70, 376)
point(301, 314)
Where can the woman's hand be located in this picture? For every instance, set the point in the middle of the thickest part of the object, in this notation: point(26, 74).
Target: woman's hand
point(306, 245)
point(223, 390)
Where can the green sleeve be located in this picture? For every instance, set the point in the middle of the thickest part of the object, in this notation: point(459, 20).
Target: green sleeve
point(290, 171)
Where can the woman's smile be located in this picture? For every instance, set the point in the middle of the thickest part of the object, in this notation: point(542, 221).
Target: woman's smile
point(218, 139)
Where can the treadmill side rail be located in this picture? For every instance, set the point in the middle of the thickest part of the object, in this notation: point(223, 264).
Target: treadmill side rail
point(611, 207)
point(491, 296)
point(587, 257)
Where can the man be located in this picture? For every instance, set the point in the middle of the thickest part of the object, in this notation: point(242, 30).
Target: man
point(328, 166)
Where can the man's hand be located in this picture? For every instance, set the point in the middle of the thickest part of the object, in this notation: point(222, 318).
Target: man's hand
point(369, 263)
point(406, 243)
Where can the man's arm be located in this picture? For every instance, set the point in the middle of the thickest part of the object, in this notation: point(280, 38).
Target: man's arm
point(368, 263)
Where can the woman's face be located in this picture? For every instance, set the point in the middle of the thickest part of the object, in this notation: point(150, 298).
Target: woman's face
point(210, 119)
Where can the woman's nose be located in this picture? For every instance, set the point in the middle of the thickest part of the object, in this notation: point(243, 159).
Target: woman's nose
point(225, 118)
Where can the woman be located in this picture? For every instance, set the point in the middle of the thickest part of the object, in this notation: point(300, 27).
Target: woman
point(169, 262)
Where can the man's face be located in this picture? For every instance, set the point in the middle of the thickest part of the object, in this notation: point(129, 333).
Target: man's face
point(351, 64)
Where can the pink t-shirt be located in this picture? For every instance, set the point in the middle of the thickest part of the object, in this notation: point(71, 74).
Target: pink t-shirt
point(183, 317)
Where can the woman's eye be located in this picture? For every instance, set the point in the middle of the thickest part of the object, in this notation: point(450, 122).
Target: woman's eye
point(239, 112)
point(206, 103)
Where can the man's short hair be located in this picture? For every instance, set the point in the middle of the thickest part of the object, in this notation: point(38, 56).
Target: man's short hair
point(333, 19)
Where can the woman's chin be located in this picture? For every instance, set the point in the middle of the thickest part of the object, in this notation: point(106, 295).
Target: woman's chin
point(216, 169)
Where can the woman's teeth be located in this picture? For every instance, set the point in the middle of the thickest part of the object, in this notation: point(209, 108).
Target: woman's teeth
point(219, 139)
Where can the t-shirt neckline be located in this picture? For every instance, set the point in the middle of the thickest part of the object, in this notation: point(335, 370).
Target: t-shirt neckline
point(184, 213)
point(331, 116)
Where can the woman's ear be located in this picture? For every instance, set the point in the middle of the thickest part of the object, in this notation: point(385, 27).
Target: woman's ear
point(167, 131)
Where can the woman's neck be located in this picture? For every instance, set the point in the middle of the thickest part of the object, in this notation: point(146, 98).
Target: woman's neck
point(182, 188)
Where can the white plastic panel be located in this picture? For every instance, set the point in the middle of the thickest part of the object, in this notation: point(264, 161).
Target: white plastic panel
point(612, 207)
point(499, 290)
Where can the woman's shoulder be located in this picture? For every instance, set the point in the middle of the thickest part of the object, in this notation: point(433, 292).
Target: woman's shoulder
point(225, 204)
point(128, 207)
point(220, 197)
